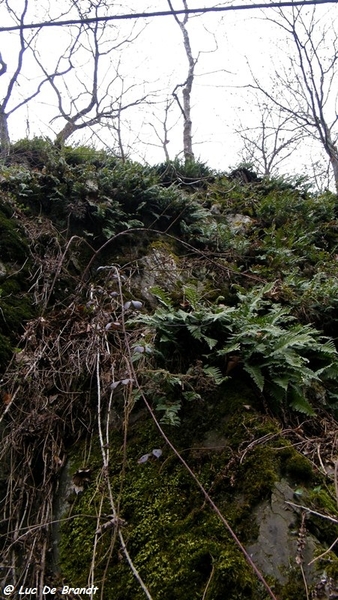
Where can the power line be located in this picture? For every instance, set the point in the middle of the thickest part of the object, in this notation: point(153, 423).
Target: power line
point(164, 13)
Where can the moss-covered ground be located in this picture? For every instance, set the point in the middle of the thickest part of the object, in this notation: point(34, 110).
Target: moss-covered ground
point(178, 544)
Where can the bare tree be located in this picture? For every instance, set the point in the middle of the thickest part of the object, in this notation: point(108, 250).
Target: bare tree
point(22, 55)
point(306, 89)
point(84, 70)
point(84, 76)
point(163, 136)
point(272, 141)
point(122, 133)
point(13, 79)
point(186, 86)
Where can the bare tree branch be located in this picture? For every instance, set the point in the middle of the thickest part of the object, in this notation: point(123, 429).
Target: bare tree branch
point(164, 137)
point(305, 91)
point(87, 53)
point(4, 133)
point(7, 107)
point(269, 143)
point(163, 13)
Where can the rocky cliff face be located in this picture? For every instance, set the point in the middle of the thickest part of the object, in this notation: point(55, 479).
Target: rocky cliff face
point(168, 424)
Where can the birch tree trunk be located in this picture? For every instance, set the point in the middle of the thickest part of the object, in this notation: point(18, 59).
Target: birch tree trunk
point(187, 86)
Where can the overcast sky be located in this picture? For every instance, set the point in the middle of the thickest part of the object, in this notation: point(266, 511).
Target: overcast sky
point(153, 64)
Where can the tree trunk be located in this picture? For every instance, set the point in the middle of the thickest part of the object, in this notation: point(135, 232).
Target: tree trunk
point(187, 128)
point(187, 86)
point(334, 164)
point(65, 133)
point(4, 134)
point(330, 148)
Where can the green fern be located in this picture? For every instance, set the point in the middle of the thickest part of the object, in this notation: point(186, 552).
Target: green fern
point(299, 402)
point(170, 412)
point(215, 373)
point(162, 296)
point(278, 353)
point(192, 295)
point(256, 374)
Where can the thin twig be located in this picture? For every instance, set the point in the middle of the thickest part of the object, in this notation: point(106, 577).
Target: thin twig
point(105, 455)
point(305, 582)
point(313, 512)
point(208, 582)
point(324, 553)
point(174, 238)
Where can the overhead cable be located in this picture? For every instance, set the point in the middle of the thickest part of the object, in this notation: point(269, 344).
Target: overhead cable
point(164, 13)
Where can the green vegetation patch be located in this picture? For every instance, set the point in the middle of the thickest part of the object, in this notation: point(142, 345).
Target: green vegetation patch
point(13, 245)
point(230, 356)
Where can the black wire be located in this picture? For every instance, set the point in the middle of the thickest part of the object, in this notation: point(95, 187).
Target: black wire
point(190, 11)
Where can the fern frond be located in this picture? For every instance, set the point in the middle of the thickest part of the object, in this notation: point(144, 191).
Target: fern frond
point(282, 382)
point(229, 348)
point(276, 392)
point(191, 395)
point(300, 403)
point(256, 374)
point(193, 295)
point(294, 340)
point(210, 341)
point(292, 359)
point(195, 331)
point(328, 347)
point(215, 374)
point(162, 296)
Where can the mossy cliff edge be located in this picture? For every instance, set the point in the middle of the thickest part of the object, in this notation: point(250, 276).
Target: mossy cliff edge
point(169, 394)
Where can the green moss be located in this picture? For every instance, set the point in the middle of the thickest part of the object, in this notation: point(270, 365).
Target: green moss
point(15, 305)
point(176, 541)
point(258, 474)
point(232, 578)
point(76, 548)
point(330, 564)
point(323, 500)
point(35, 153)
point(293, 588)
point(294, 465)
point(299, 468)
point(169, 248)
point(13, 246)
point(85, 155)
point(15, 310)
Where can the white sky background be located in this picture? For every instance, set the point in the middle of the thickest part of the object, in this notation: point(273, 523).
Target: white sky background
point(154, 64)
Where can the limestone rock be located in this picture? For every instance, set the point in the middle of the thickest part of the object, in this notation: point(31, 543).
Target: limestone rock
point(275, 550)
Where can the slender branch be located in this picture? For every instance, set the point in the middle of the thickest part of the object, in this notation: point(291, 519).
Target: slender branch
point(3, 66)
point(305, 92)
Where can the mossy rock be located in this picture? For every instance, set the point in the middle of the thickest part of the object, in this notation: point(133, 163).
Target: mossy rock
point(177, 543)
